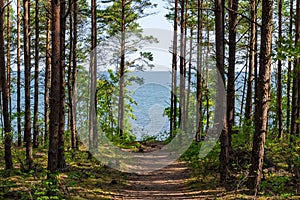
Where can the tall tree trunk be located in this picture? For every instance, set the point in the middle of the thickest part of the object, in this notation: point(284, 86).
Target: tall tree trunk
point(207, 75)
point(185, 113)
point(61, 134)
point(4, 87)
point(55, 87)
point(19, 74)
point(279, 76)
point(256, 69)
point(36, 78)
point(233, 5)
point(294, 102)
point(199, 71)
point(219, 25)
point(289, 74)
point(74, 131)
point(189, 77)
point(27, 64)
point(173, 112)
point(288, 112)
point(295, 88)
point(69, 83)
point(93, 71)
point(263, 95)
point(252, 62)
point(297, 66)
point(181, 66)
point(244, 90)
point(8, 36)
point(121, 74)
point(71, 78)
point(47, 82)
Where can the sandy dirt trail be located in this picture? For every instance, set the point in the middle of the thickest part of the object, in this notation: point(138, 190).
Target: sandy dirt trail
point(170, 182)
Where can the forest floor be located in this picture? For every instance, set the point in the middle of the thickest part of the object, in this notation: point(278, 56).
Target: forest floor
point(175, 181)
point(167, 183)
point(171, 182)
point(89, 179)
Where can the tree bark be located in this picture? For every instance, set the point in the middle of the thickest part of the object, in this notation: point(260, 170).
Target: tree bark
point(219, 26)
point(199, 71)
point(182, 66)
point(71, 76)
point(289, 74)
point(4, 87)
point(173, 112)
point(189, 79)
point(297, 66)
point(244, 90)
point(19, 74)
point(263, 95)
point(61, 133)
point(121, 74)
point(36, 78)
point(8, 36)
point(296, 82)
point(55, 87)
point(233, 5)
point(185, 113)
point(279, 75)
point(27, 66)
point(69, 83)
point(47, 81)
point(74, 133)
point(93, 71)
point(252, 62)
point(207, 76)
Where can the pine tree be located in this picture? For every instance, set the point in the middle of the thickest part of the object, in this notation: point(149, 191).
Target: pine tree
point(120, 15)
point(4, 89)
point(219, 26)
point(36, 77)
point(55, 87)
point(27, 66)
point(263, 95)
point(19, 74)
point(233, 6)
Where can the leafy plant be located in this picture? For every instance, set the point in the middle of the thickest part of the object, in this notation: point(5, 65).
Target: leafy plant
point(48, 189)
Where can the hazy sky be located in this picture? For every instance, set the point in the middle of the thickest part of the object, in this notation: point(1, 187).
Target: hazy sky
point(158, 26)
point(158, 20)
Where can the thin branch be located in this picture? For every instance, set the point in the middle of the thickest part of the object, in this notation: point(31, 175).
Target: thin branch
point(244, 16)
point(6, 5)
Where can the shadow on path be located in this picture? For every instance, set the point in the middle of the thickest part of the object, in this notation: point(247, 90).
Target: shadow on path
point(170, 182)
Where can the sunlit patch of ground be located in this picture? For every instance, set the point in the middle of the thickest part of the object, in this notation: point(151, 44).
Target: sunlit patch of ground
point(81, 179)
point(177, 182)
point(89, 179)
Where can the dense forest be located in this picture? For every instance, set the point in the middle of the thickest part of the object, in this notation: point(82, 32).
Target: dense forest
point(91, 108)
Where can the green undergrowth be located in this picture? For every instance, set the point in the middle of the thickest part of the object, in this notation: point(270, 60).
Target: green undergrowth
point(279, 181)
point(82, 178)
point(128, 141)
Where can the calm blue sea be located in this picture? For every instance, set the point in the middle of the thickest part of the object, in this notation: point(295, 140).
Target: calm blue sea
point(152, 97)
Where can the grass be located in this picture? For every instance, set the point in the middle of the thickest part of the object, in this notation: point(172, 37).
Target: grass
point(278, 184)
point(82, 179)
point(85, 178)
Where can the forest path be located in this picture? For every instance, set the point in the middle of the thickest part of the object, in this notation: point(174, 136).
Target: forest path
point(171, 182)
point(167, 183)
